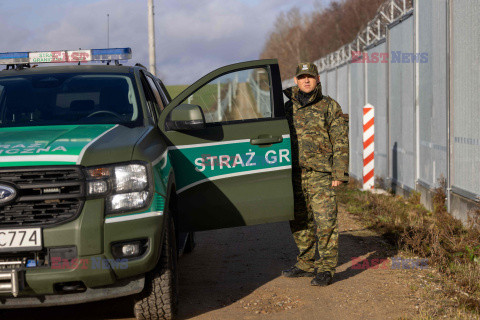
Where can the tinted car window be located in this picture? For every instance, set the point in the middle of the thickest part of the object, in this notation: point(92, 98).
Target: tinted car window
point(62, 99)
point(243, 95)
point(156, 94)
point(151, 102)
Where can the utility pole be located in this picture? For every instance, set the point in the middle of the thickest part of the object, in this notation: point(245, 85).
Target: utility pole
point(151, 37)
point(108, 30)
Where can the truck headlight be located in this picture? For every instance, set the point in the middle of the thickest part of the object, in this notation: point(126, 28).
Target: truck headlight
point(97, 187)
point(126, 186)
point(132, 177)
point(126, 201)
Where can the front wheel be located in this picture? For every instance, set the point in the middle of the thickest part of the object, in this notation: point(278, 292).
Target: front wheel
point(159, 298)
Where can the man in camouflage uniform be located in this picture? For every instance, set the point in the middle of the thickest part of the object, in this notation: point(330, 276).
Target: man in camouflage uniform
point(319, 135)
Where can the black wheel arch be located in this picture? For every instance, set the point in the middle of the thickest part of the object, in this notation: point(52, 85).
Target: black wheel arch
point(170, 210)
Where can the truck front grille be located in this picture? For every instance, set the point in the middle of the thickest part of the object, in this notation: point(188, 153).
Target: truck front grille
point(19, 260)
point(44, 196)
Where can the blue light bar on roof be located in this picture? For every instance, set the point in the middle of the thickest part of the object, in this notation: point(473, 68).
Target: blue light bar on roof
point(66, 56)
point(13, 57)
point(112, 54)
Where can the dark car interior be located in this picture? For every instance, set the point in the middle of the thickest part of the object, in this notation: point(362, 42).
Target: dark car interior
point(35, 100)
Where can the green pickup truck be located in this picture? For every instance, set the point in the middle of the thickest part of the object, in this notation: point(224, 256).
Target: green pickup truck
point(104, 178)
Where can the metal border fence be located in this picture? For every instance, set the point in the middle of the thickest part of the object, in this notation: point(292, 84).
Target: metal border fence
point(418, 64)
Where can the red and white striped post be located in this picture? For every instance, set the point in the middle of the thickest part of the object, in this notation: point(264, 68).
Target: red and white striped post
point(368, 147)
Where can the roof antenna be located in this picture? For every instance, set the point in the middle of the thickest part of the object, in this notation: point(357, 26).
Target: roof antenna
point(108, 30)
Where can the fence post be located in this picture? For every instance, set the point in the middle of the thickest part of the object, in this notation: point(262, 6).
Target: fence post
point(416, 82)
point(349, 88)
point(258, 92)
point(449, 103)
point(230, 93)
point(368, 147)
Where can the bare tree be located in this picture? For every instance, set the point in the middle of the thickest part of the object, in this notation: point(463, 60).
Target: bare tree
point(308, 37)
point(284, 42)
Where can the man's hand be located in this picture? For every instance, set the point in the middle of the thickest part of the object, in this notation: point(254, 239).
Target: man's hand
point(336, 183)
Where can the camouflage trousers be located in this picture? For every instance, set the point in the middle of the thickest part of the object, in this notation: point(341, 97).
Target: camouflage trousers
point(315, 226)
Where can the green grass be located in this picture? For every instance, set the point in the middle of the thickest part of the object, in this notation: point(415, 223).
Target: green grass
point(176, 90)
point(206, 97)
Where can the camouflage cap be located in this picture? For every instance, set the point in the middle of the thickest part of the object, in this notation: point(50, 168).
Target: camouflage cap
point(306, 68)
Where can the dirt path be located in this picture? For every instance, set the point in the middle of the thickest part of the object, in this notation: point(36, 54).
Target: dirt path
point(243, 107)
point(235, 274)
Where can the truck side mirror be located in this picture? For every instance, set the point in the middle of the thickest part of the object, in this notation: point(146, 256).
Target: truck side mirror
point(186, 117)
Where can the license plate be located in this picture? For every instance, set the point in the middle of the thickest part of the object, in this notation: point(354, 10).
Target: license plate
point(20, 239)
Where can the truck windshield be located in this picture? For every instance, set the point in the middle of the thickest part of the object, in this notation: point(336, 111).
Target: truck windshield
point(66, 98)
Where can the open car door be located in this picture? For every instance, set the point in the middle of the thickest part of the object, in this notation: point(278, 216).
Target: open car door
point(229, 145)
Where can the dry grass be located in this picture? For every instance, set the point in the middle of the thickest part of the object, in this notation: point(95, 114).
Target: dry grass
point(449, 246)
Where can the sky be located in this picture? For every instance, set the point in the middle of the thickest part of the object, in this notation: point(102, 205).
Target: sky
point(193, 37)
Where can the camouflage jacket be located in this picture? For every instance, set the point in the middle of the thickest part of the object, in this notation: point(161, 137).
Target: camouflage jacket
point(319, 133)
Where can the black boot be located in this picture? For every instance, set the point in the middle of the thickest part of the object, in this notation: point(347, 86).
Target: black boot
point(322, 279)
point(295, 272)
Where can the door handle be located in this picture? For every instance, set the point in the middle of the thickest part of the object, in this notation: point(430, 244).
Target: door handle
point(266, 139)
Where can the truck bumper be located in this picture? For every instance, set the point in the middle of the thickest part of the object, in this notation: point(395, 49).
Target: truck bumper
point(121, 288)
point(96, 268)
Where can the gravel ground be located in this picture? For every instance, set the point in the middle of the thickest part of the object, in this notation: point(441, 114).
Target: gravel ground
point(235, 274)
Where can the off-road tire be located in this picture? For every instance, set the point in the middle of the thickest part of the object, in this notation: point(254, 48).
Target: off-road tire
point(159, 298)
